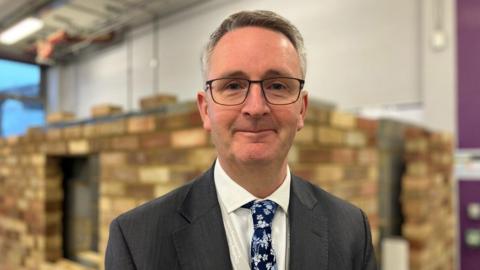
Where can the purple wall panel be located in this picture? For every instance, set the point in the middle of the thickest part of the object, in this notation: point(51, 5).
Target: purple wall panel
point(468, 70)
point(468, 192)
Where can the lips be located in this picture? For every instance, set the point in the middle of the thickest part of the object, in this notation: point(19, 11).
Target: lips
point(260, 127)
point(256, 135)
point(255, 130)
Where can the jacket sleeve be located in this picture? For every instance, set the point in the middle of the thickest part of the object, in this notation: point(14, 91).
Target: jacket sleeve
point(118, 255)
point(370, 262)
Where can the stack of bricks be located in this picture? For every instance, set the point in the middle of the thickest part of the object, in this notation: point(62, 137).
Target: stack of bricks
point(141, 156)
point(427, 199)
point(337, 151)
point(30, 204)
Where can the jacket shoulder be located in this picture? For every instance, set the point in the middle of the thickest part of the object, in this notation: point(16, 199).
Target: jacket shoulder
point(342, 215)
point(324, 199)
point(348, 227)
point(165, 205)
point(145, 231)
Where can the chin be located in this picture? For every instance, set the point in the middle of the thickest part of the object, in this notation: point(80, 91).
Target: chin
point(255, 156)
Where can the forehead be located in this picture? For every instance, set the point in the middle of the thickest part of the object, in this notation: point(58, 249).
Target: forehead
point(254, 51)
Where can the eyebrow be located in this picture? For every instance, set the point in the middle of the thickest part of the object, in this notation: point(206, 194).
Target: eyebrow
point(234, 74)
point(267, 74)
point(274, 72)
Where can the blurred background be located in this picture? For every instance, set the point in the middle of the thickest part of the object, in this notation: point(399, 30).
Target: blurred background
point(97, 116)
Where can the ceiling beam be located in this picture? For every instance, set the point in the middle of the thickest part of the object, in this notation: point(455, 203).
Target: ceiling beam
point(24, 11)
point(21, 56)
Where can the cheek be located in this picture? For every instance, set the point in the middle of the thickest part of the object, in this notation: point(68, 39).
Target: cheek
point(290, 119)
point(220, 126)
point(296, 118)
point(220, 121)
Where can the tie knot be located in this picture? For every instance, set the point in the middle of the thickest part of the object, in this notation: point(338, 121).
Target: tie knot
point(262, 212)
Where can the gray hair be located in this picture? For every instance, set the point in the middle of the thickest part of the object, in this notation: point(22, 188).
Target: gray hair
point(259, 18)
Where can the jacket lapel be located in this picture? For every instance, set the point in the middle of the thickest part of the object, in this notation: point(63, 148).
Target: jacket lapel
point(202, 243)
point(308, 229)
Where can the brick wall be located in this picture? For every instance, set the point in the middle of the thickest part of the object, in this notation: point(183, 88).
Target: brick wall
point(426, 198)
point(145, 155)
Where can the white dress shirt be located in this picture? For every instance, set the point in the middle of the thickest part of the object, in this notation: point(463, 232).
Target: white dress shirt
point(238, 221)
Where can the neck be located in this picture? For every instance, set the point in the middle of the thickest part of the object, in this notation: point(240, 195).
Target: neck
point(258, 178)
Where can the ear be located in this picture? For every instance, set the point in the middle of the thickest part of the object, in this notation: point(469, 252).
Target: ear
point(303, 109)
point(203, 109)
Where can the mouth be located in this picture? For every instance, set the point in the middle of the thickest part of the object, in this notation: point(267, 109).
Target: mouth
point(255, 132)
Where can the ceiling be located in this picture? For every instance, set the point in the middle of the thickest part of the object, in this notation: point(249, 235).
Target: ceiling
point(71, 27)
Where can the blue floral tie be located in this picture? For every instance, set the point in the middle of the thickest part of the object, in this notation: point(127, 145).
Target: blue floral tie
point(262, 253)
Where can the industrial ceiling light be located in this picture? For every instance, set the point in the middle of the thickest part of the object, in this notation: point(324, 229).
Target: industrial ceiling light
point(21, 30)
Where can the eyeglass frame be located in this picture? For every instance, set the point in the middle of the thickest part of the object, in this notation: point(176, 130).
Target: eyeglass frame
point(208, 85)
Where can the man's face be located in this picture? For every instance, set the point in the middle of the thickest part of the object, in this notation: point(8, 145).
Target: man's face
point(254, 131)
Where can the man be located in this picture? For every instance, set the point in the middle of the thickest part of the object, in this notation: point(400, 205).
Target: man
point(247, 211)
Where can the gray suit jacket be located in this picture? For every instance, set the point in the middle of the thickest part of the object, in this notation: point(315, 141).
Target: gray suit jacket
point(184, 230)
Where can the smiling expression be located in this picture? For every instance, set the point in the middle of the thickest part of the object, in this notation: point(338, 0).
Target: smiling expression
point(253, 132)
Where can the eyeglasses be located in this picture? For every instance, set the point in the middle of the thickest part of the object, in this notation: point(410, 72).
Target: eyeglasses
point(234, 91)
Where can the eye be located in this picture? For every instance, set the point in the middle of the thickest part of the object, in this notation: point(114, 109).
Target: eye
point(234, 85)
point(276, 85)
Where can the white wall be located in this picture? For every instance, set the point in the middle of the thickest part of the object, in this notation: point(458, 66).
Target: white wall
point(438, 72)
point(360, 53)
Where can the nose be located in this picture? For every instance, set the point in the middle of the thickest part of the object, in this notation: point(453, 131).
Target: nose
point(255, 105)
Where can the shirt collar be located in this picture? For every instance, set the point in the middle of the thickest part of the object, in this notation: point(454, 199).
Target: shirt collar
point(233, 196)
